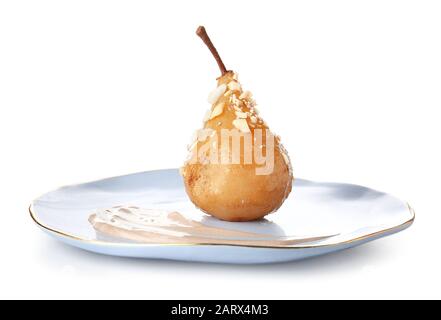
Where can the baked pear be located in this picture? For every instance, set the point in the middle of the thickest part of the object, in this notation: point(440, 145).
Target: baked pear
point(237, 170)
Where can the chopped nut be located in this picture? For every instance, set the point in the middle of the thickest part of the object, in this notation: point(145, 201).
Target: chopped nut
point(234, 86)
point(241, 124)
point(236, 102)
point(241, 115)
point(245, 95)
point(216, 94)
point(253, 119)
point(226, 94)
point(217, 110)
point(237, 108)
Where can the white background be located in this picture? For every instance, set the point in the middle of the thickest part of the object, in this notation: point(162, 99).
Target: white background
point(91, 89)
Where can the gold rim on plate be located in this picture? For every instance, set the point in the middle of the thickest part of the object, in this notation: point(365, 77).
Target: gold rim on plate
point(397, 228)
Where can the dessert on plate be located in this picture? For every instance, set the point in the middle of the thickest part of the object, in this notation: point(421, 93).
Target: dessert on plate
point(237, 170)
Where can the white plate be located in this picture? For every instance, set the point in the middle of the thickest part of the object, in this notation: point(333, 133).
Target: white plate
point(348, 215)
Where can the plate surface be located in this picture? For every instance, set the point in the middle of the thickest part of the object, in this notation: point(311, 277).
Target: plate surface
point(344, 215)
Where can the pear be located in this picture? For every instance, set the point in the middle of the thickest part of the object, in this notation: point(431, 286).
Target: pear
point(237, 170)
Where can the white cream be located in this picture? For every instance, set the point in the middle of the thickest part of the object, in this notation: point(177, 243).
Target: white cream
point(136, 219)
point(159, 226)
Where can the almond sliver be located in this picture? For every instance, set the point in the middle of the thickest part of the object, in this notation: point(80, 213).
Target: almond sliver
point(234, 86)
point(241, 115)
point(216, 93)
point(217, 110)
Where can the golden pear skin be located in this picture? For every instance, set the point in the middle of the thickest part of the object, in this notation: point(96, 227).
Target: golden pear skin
point(246, 189)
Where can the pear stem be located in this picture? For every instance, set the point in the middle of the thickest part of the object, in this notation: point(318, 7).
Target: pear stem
point(202, 33)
